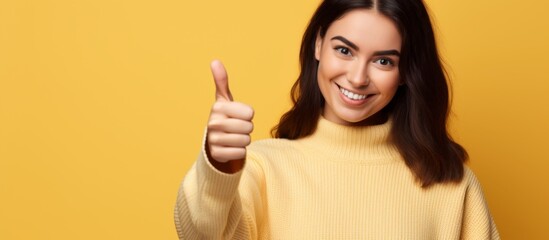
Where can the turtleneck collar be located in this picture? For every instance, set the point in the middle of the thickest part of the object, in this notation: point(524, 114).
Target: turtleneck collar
point(353, 143)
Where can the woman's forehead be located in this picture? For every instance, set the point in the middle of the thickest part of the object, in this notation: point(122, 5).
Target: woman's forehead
point(367, 28)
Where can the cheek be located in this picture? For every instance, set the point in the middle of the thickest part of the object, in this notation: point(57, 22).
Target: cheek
point(330, 67)
point(323, 81)
point(387, 83)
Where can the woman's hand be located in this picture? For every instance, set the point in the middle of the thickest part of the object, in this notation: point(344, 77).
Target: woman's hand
point(229, 126)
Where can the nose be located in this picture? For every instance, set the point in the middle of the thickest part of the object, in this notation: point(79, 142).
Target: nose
point(358, 75)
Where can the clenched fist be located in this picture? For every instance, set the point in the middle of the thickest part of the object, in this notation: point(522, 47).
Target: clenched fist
point(229, 126)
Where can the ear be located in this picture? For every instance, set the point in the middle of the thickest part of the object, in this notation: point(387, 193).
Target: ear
point(318, 46)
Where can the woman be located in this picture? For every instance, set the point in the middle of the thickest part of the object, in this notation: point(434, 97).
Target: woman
point(363, 154)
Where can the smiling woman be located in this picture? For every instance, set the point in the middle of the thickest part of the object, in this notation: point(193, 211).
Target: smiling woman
point(358, 66)
point(364, 153)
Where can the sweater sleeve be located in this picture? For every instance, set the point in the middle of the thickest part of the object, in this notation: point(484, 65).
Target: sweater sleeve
point(216, 205)
point(477, 220)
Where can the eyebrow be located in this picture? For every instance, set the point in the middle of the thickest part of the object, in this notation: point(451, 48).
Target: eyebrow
point(344, 40)
point(387, 52)
point(355, 47)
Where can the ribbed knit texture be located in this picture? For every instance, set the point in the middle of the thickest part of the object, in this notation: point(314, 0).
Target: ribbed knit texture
point(339, 183)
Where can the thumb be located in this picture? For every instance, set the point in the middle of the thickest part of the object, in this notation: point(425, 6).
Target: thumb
point(221, 81)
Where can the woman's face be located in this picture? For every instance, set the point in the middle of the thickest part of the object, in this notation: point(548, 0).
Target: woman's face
point(358, 66)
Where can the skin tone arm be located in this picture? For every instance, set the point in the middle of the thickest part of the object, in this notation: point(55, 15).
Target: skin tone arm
point(229, 126)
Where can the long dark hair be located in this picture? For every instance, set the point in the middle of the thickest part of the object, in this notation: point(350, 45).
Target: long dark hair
point(420, 107)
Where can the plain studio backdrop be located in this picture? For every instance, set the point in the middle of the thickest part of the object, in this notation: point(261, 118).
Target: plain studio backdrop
point(103, 104)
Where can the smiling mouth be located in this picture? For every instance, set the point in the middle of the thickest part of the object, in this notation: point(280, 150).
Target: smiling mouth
point(352, 95)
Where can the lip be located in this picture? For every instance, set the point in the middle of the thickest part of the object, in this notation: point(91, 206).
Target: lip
point(352, 102)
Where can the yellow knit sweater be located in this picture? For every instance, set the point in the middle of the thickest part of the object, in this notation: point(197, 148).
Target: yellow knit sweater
point(339, 183)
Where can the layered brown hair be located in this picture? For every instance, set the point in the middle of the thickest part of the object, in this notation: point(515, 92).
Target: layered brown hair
point(420, 107)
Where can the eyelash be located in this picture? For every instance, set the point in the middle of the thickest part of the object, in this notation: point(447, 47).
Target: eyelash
point(389, 62)
point(341, 49)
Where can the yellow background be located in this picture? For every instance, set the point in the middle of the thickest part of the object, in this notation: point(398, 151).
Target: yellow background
point(103, 104)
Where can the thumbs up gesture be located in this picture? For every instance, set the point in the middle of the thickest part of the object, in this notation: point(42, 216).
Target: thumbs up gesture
point(229, 126)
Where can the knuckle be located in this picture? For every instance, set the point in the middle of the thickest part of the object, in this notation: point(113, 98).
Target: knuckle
point(212, 124)
point(247, 140)
point(243, 152)
point(214, 152)
point(216, 124)
point(250, 127)
point(218, 106)
point(213, 139)
point(240, 153)
point(247, 112)
point(251, 113)
point(218, 154)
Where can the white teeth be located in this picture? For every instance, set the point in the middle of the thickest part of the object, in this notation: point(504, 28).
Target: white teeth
point(352, 95)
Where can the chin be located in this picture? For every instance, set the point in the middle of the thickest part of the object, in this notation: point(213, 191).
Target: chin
point(378, 117)
point(352, 119)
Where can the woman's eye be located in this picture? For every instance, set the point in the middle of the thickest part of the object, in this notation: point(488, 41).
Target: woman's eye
point(343, 50)
point(384, 61)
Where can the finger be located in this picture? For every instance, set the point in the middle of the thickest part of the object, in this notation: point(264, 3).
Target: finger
point(231, 125)
point(229, 139)
point(234, 110)
point(221, 79)
point(225, 154)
